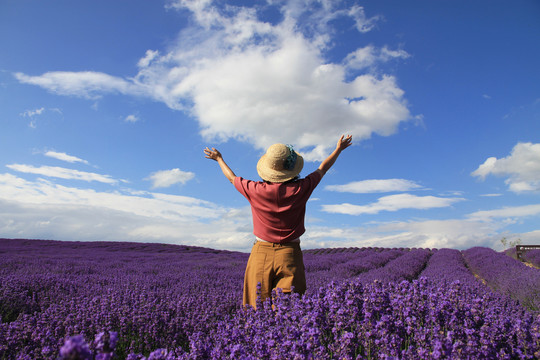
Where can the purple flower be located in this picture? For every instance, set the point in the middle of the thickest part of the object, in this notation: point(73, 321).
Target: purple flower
point(135, 357)
point(361, 303)
point(106, 341)
point(75, 348)
point(104, 356)
point(159, 354)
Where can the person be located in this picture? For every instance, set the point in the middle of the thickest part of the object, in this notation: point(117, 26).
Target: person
point(278, 206)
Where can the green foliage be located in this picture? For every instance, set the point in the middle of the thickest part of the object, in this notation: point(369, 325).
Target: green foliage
point(510, 243)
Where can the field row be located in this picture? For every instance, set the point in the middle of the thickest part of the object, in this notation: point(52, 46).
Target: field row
point(178, 302)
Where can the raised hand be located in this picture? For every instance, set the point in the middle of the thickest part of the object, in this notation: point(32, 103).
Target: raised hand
point(213, 154)
point(344, 142)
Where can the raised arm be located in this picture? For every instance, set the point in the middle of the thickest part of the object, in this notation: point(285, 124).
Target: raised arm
point(215, 155)
point(342, 144)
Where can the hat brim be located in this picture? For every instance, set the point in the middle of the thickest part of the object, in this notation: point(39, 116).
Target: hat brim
point(278, 176)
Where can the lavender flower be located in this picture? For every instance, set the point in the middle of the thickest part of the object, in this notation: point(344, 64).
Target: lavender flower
point(75, 348)
point(159, 354)
point(105, 343)
point(140, 301)
point(506, 275)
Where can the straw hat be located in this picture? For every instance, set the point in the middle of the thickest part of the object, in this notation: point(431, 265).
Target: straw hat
point(280, 163)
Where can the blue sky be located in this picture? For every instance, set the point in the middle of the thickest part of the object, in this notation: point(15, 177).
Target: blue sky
point(105, 107)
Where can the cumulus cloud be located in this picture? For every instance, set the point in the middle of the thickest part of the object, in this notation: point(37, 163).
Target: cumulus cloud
point(392, 203)
point(166, 178)
point(65, 157)
point(521, 167)
point(375, 186)
point(246, 78)
point(62, 173)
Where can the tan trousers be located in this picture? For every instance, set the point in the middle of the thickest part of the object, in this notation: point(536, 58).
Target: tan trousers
point(274, 266)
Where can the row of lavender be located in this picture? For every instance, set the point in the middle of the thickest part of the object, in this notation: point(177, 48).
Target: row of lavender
point(533, 257)
point(151, 295)
point(447, 313)
point(181, 302)
point(506, 275)
point(434, 317)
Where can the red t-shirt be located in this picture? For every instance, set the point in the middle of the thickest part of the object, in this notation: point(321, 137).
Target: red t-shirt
point(278, 208)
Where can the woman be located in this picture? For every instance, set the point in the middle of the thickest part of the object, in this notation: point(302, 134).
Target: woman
point(278, 206)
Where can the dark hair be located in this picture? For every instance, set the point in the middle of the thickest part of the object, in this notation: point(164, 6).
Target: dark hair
point(296, 178)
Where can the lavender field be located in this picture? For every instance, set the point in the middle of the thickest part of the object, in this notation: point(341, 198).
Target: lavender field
point(533, 257)
point(103, 300)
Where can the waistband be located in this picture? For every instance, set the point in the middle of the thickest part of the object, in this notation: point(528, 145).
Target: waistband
point(258, 239)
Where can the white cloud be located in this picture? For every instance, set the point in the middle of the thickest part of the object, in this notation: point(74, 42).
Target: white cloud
point(165, 206)
point(62, 173)
point(166, 178)
point(370, 55)
point(87, 84)
point(387, 54)
point(451, 233)
point(41, 209)
point(392, 203)
point(150, 55)
point(65, 157)
point(259, 82)
point(131, 118)
point(32, 113)
point(375, 186)
point(361, 58)
point(452, 193)
point(484, 169)
point(529, 238)
point(363, 24)
point(522, 167)
point(39, 111)
point(507, 212)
